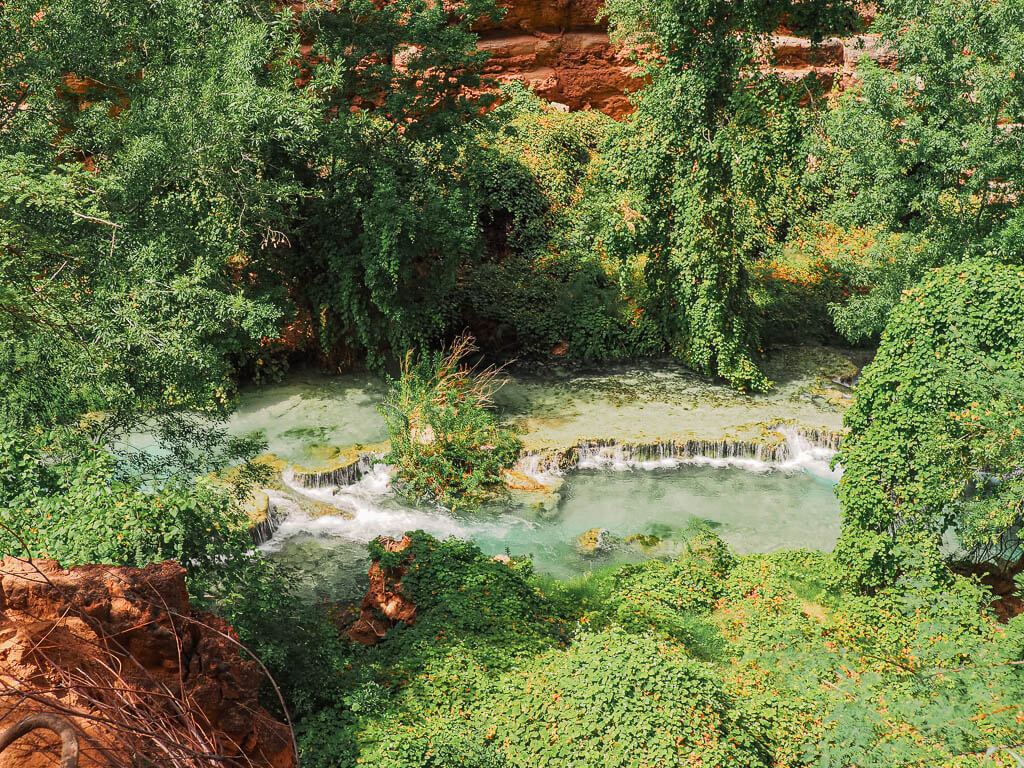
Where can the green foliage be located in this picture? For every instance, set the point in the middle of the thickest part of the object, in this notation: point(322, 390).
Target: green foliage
point(185, 173)
point(125, 200)
point(616, 698)
point(486, 657)
point(388, 216)
point(702, 179)
point(447, 745)
point(917, 674)
point(475, 617)
point(538, 285)
point(936, 428)
point(486, 606)
point(802, 293)
point(446, 443)
point(503, 668)
point(934, 679)
point(930, 151)
point(671, 598)
point(74, 505)
point(296, 641)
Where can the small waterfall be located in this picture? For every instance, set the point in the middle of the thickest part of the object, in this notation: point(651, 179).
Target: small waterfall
point(794, 448)
point(345, 474)
point(264, 531)
point(366, 509)
point(540, 466)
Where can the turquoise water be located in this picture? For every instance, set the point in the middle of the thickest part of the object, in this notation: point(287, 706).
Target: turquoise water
point(310, 410)
point(752, 506)
point(754, 510)
point(555, 407)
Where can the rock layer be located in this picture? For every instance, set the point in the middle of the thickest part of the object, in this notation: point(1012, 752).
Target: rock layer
point(120, 653)
point(561, 49)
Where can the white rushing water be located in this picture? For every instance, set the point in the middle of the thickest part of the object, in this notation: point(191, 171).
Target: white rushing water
point(800, 452)
point(753, 504)
point(366, 509)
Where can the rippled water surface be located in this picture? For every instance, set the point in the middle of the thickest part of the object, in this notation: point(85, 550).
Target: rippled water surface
point(753, 509)
point(555, 406)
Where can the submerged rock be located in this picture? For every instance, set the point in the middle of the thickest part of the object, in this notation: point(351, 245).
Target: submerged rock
point(319, 509)
point(644, 540)
point(518, 481)
point(595, 541)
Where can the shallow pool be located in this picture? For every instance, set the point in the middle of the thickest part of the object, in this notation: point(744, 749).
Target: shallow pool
point(754, 509)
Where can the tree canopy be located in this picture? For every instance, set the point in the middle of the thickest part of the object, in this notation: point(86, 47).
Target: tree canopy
point(936, 432)
point(928, 153)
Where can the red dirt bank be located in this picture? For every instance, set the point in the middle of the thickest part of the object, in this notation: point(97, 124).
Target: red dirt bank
point(102, 645)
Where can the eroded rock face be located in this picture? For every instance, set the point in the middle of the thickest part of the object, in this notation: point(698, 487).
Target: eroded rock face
point(561, 49)
point(107, 646)
point(384, 605)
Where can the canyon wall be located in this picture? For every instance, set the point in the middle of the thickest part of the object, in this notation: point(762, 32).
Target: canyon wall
point(562, 51)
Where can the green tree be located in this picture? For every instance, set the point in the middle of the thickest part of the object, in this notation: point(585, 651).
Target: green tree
point(179, 170)
point(389, 215)
point(936, 430)
point(136, 186)
point(538, 284)
point(697, 178)
point(929, 152)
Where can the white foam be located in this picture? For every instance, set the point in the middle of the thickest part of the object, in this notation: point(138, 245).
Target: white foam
point(542, 467)
point(803, 455)
point(368, 509)
point(815, 459)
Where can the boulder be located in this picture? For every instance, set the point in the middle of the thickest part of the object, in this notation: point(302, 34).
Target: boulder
point(384, 605)
point(519, 481)
point(595, 541)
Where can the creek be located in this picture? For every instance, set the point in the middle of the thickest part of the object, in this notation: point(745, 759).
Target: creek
point(656, 454)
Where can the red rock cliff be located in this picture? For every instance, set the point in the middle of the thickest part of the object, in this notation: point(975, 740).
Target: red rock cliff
point(559, 48)
point(120, 654)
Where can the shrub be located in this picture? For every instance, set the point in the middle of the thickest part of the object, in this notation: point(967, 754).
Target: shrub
point(73, 503)
point(446, 443)
point(616, 699)
point(936, 428)
point(672, 599)
point(539, 285)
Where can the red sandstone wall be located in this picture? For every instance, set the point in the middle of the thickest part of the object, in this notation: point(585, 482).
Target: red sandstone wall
point(560, 49)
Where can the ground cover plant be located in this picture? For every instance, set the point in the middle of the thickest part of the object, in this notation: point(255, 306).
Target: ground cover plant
point(510, 669)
